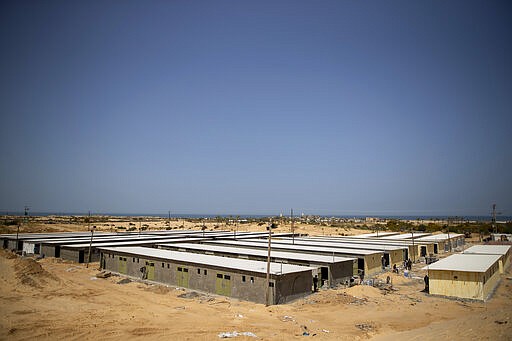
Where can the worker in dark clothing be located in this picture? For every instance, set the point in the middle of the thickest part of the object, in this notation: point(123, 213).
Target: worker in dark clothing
point(425, 279)
point(383, 262)
point(395, 269)
point(315, 283)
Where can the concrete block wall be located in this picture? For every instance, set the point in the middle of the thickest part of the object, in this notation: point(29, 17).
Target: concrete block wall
point(243, 285)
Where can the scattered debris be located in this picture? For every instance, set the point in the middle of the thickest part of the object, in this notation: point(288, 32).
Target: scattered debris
point(500, 322)
point(305, 331)
point(103, 274)
point(240, 316)
point(180, 308)
point(366, 326)
point(190, 294)
point(325, 331)
point(124, 281)
point(93, 278)
point(287, 318)
point(226, 335)
point(206, 298)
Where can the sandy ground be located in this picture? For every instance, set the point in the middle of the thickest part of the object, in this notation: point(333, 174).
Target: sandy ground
point(51, 298)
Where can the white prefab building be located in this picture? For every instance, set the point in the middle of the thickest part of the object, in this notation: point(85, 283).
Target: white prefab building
point(502, 250)
point(502, 237)
point(445, 241)
point(471, 276)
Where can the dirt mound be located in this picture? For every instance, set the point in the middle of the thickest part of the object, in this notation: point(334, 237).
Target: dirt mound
point(364, 291)
point(399, 279)
point(30, 273)
point(7, 254)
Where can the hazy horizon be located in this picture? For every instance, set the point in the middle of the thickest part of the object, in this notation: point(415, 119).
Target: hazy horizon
point(331, 107)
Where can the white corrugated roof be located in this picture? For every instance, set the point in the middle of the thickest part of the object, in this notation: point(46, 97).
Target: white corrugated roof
point(414, 235)
point(441, 237)
point(337, 243)
point(465, 262)
point(290, 247)
point(133, 242)
point(224, 262)
point(376, 241)
point(489, 249)
point(275, 254)
point(374, 235)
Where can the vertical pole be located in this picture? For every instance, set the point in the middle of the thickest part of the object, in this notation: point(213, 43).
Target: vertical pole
point(267, 296)
point(90, 243)
point(449, 241)
point(169, 220)
point(293, 230)
point(413, 248)
point(494, 225)
point(17, 233)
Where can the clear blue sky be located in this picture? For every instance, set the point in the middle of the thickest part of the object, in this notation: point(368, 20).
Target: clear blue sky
point(256, 107)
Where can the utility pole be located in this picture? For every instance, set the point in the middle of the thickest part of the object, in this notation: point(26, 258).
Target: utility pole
point(169, 220)
point(494, 226)
point(236, 225)
point(17, 233)
point(27, 208)
point(268, 263)
point(90, 243)
point(293, 230)
point(448, 235)
point(413, 248)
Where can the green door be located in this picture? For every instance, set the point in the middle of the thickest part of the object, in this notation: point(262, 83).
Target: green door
point(122, 265)
point(150, 268)
point(218, 285)
point(226, 283)
point(182, 277)
point(223, 285)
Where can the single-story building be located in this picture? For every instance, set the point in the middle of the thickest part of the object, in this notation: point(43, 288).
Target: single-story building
point(369, 262)
point(238, 278)
point(393, 255)
point(470, 276)
point(445, 241)
point(503, 251)
point(330, 270)
point(416, 248)
point(501, 237)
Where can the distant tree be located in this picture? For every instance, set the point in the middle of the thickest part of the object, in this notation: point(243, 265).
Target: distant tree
point(422, 228)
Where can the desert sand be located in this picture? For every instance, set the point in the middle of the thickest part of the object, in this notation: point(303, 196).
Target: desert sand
point(55, 299)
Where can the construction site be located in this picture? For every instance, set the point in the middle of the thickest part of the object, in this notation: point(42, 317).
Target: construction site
point(254, 282)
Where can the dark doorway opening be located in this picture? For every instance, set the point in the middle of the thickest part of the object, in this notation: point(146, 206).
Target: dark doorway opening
point(324, 275)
